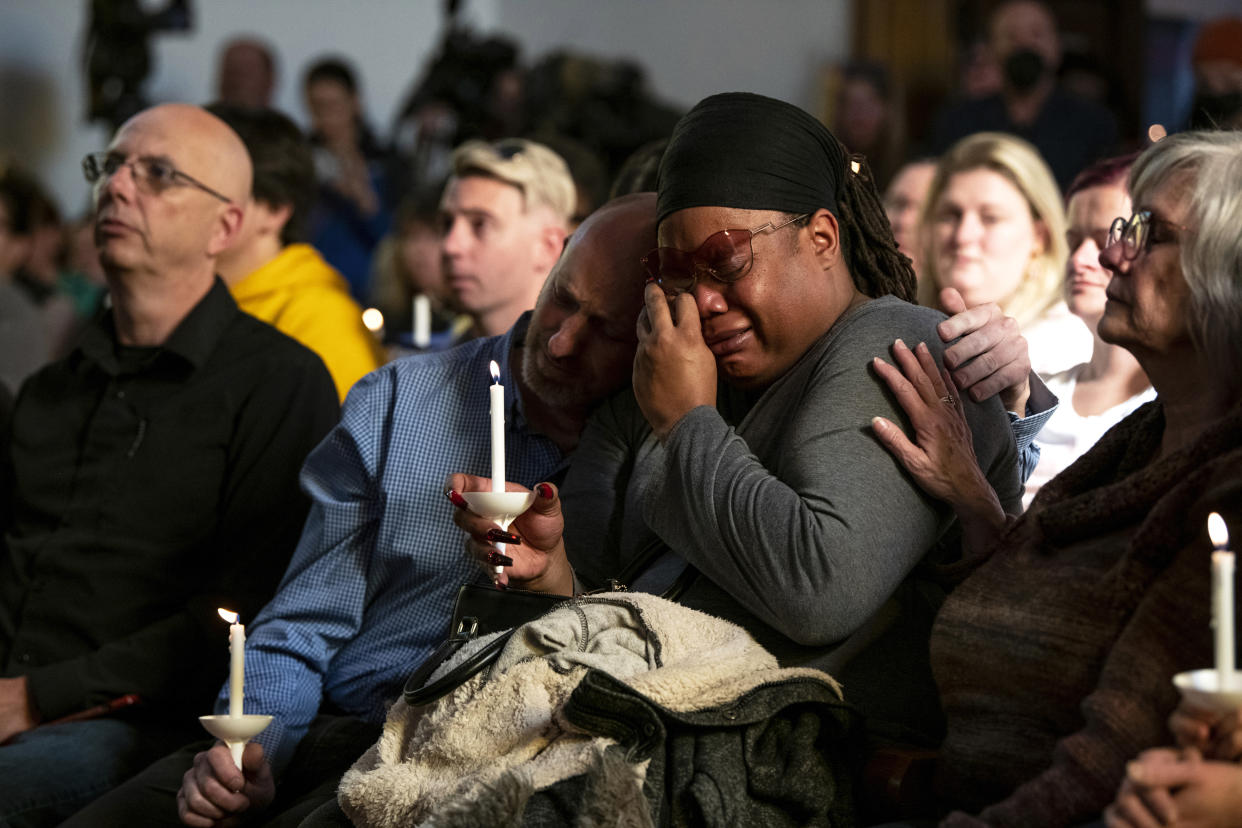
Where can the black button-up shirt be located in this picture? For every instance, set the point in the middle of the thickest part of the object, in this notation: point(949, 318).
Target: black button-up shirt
point(142, 489)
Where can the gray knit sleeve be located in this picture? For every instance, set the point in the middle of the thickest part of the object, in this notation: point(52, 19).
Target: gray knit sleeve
point(798, 512)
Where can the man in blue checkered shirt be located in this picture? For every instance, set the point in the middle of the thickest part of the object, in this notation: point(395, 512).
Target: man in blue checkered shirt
point(369, 592)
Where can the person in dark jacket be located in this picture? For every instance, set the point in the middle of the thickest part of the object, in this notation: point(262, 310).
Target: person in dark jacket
point(150, 479)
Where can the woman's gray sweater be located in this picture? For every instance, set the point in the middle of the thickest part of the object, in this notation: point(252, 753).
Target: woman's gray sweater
point(805, 530)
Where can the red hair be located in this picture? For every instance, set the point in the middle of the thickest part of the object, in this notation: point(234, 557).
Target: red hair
point(1105, 173)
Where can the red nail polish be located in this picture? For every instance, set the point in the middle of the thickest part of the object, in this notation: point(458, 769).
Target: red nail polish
point(499, 559)
point(545, 491)
point(498, 536)
point(456, 499)
point(650, 279)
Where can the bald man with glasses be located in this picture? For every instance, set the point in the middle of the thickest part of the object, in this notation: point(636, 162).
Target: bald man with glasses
point(147, 479)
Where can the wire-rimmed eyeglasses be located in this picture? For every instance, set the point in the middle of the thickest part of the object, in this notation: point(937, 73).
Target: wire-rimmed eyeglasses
point(153, 174)
point(1135, 233)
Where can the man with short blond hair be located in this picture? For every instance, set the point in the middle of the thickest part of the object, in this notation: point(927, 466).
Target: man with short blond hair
point(506, 212)
point(147, 479)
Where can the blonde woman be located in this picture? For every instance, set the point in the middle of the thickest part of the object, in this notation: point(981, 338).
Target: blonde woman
point(993, 227)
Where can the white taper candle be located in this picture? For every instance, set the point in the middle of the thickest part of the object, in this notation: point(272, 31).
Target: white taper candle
point(498, 430)
point(422, 321)
point(1222, 600)
point(237, 662)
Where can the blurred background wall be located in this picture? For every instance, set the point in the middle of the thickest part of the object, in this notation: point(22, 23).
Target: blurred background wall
point(689, 49)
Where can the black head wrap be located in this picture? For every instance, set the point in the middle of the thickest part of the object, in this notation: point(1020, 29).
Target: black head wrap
point(738, 149)
point(755, 153)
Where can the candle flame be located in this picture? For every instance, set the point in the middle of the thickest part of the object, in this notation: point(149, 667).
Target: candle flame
point(228, 615)
point(1217, 531)
point(372, 319)
point(495, 372)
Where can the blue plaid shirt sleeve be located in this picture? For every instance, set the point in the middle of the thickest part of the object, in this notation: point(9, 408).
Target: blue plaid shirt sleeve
point(287, 659)
point(370, 588)
point(1039, 408)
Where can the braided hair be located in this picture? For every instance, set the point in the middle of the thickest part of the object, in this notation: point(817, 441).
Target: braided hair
point(876, 265)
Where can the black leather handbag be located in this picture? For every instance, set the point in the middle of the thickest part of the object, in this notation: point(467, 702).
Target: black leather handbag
point(483, 609)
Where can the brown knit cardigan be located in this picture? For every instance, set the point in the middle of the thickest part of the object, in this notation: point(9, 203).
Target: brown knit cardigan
point(1054, 658)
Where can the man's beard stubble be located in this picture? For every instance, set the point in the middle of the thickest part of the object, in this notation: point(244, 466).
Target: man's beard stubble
point(550, 392)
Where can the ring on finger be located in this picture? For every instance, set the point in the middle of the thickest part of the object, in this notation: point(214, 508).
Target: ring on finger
point(949, 401)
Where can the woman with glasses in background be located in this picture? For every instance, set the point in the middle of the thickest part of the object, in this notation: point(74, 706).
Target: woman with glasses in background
point(1054, 658)
point(993, 227)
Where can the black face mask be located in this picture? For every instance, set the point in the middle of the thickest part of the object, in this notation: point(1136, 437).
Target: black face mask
point(1023, 69)
point(1215, 111)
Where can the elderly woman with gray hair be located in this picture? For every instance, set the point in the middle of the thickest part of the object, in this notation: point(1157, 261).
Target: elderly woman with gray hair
point(1054, 657)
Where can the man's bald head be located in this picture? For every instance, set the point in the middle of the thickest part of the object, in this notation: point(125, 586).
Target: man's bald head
point(176, 225)
point(208, 148)
point(604, 255)
point(622, 231)
point(580, 345)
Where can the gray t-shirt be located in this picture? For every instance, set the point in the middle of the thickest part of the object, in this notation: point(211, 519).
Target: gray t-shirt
point(805, 530)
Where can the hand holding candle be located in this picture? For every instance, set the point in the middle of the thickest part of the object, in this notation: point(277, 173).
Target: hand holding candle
point(1222, 600)
point(235, 728)
point(533, 519)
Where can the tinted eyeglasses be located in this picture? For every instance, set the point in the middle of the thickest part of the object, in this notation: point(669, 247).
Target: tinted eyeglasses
point(724, 256)
point(1135, 234)
point(154, 175)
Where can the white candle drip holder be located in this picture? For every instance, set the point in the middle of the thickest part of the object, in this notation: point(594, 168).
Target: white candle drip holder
point(235, 731)
point(1202, 689)
point(502, 507)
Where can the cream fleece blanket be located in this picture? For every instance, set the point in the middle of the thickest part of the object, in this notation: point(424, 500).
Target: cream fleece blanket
point(476, 755)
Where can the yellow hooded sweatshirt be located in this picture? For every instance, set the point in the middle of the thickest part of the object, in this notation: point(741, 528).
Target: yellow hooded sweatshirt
point(300, 295)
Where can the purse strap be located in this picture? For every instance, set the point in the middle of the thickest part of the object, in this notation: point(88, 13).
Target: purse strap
point(418, 692)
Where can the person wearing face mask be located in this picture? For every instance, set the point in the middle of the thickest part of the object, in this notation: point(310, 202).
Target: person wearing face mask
point(1097, 394)
point(1069, 132)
